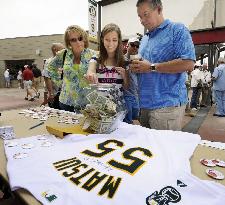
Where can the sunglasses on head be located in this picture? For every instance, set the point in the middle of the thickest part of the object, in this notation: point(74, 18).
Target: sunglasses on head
point(134, 45)
point(74, 40)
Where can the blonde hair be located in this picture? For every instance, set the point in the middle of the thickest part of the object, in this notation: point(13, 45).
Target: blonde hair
point(78, 29)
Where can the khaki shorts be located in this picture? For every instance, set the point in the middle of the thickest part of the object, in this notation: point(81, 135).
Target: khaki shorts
point(169, 118)
point(27, 84)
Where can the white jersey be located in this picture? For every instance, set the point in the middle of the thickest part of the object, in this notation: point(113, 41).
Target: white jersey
point(132, 165)
point(196, 76)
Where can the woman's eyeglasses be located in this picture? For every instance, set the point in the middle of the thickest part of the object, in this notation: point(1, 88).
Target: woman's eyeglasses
point(134, 45)
point(74, 40)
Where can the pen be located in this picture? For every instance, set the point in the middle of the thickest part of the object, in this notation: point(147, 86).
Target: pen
point(39, 124)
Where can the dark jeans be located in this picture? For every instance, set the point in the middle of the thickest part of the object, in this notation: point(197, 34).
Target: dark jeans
point(70, 108)
point(66, 107)
point(55, 102)
point(205, 93)
point(195, 97)
point(132, 109)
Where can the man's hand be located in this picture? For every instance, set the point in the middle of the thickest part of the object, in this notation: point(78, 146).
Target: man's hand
point(140, 66)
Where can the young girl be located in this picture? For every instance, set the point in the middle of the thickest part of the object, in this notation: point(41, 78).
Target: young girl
point(108, 68)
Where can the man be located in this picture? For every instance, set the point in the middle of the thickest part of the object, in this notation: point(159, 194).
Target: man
point(196, 85)
point(52, 95)
point(206, 84)
point(167, 51)
point(37, 79)
point(131, 94)
point(188, 111)
point(7, 78)
point(218, 78)
point(27, 81)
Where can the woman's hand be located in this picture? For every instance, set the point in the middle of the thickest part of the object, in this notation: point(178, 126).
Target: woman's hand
point(91, 77)
point(121, 71)
point(125, 76)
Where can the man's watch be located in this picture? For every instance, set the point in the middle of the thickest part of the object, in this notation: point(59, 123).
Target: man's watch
point(153, 68)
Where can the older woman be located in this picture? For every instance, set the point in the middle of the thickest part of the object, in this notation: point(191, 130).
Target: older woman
point(69, 66)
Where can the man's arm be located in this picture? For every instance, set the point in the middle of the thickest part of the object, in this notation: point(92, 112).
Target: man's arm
point(215, 74)
point(173, 66)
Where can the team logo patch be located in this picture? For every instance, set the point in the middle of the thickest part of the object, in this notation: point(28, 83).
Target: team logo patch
point(180, 183)
point(165, 196)
point(49, 196)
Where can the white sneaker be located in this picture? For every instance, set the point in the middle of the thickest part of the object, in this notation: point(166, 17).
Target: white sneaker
point(194, 109)
point(37, 95)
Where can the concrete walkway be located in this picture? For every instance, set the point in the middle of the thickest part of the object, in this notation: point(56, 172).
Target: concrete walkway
point(209, 127)
point(13, 98)
point(204, 123)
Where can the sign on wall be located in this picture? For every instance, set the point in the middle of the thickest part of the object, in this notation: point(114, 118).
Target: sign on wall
point(92, 19)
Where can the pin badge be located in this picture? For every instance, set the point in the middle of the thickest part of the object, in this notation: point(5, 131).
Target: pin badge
point(215, 174)
point(47, 144)
point(208, 162)
point(20, 155)
point(27, 146)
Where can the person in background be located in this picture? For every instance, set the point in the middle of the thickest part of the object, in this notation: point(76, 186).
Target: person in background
point(188, 111)
point(7, 78)
point(167, 52)
point(75, 67)
point(196, 85)
point(109, 67)
point(206, 84)
point(20, 78)
point(218, 78)
point(124, 45)
point(27, 81)
point(131, 94)
point(51, 96)
point(37, 79)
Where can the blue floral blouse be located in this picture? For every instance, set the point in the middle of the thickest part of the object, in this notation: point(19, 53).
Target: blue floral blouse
point(74, 83)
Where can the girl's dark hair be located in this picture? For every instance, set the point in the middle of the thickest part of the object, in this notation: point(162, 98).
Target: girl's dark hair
point(102, 51)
